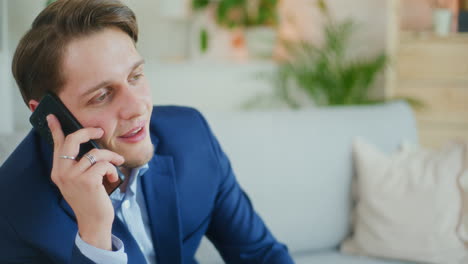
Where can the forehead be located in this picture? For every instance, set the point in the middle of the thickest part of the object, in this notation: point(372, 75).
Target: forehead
point(101, 56)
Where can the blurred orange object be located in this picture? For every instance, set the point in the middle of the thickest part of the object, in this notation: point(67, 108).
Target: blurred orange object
point(238, 40)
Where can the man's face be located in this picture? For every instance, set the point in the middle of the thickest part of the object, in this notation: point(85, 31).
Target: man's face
point(105, 87)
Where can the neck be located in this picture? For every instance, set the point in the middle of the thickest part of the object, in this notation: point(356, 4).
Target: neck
point(126, 171)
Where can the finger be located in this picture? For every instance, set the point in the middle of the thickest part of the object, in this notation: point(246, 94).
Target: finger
point(58, 138)
point(100, 155)
point(102, 169)
point(71, 144)
point(56, 130)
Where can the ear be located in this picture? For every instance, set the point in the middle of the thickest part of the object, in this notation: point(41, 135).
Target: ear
point(33, 104)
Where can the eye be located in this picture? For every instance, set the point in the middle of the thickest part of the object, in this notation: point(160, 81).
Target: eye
point(101, 98)
point(136, 77)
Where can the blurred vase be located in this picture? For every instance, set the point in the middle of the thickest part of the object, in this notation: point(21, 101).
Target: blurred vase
point(208, 41)
point(442, 21)
point(260, 41)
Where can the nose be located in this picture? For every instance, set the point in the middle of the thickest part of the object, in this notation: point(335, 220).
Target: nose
point(132, 104)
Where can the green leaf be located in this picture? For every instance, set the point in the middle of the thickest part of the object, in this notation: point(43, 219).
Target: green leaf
point(203, 40)
point(200, 4)
point(323, 7)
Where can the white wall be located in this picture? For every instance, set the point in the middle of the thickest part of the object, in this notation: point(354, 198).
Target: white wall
point(207, 86)
point(159, 36)
point(371, 16)
point(21, 14)
point(6, 106)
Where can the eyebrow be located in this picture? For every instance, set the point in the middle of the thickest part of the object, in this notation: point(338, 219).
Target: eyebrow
point(105, 83)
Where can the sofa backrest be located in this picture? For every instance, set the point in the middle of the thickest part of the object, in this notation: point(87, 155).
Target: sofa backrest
point(296, 166)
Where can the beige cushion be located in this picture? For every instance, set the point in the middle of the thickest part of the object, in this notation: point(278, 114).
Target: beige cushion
point(408, 204)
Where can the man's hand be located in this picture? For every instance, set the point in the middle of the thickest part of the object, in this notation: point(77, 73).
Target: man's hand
point(80, 182)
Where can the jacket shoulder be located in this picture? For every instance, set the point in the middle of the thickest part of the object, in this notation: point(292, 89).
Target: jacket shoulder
point(171, 111)
point(24, 167)
point(176, 120)
point(23, 155)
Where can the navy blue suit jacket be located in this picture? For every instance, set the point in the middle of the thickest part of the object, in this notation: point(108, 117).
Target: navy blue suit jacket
point(190, 191)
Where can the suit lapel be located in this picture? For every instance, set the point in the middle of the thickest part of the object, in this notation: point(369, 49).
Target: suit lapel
point(134, 253)
point(159, 189)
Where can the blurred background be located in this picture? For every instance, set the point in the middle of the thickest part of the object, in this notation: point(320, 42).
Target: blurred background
point(241, 55)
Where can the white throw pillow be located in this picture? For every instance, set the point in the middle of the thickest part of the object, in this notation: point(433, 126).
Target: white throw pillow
point(408, 204)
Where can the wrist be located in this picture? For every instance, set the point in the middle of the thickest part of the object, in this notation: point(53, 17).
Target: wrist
point(94, 235)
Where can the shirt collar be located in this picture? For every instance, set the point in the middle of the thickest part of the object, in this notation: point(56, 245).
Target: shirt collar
point(117, 195)
point(136, 172)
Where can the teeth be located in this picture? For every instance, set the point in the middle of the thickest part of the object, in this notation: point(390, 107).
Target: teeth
point(136, 131)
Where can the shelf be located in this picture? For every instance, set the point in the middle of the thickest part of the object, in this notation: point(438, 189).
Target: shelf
point(424, 37)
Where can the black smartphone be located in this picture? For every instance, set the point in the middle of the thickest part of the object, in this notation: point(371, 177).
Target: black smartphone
point(51, 104)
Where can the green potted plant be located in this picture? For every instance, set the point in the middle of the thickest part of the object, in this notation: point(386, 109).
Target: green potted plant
point(257, 18)
point(325, 74)
point(241, 13)
point(260, 31)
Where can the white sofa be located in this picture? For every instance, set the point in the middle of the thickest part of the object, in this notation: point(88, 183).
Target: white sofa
point(297, 168)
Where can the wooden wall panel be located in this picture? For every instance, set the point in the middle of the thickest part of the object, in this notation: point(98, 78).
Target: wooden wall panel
point(434, 70)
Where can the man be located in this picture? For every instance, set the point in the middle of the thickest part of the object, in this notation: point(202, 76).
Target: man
point(179, 185)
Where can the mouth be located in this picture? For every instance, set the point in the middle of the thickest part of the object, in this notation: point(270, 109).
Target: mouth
point(136, 134)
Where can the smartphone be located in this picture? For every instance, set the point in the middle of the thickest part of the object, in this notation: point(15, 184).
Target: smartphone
point(51, 104)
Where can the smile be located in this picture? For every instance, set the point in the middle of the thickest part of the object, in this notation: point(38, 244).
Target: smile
point(135, 132)
point(135, 135)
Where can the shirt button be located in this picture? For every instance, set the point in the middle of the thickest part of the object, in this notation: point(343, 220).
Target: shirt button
point(126, 204)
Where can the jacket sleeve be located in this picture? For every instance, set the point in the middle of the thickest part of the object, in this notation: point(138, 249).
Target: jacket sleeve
point(236, 230)
point(14, 250)
point(79, 258)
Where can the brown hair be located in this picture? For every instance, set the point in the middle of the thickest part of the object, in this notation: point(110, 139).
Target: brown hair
point(38, 58)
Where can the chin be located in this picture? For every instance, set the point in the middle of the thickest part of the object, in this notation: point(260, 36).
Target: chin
point(139, 158)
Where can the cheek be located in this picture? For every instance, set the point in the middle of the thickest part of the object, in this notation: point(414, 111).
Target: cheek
point(101, 120)
point(145, 91)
